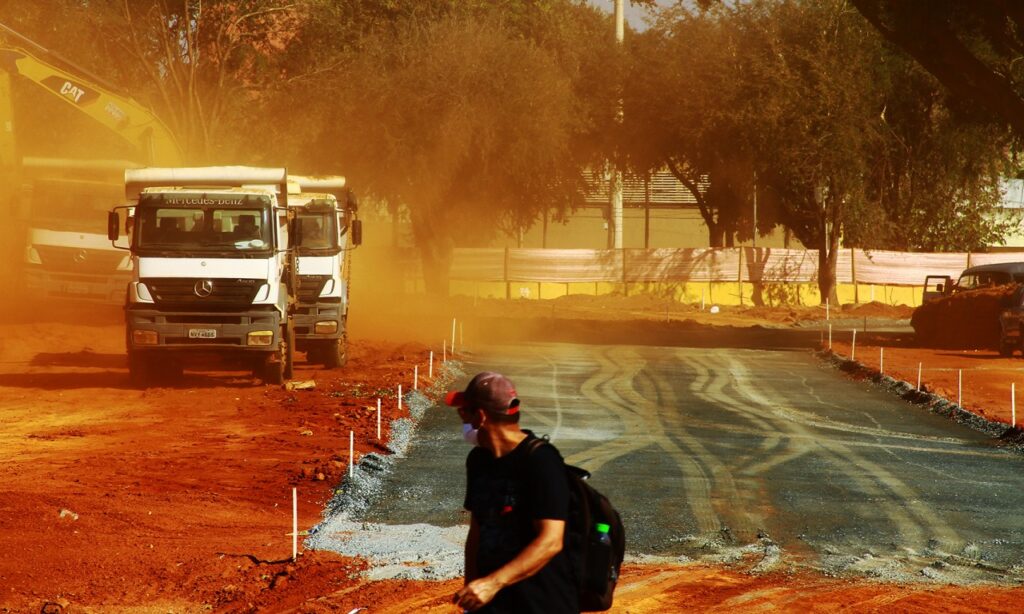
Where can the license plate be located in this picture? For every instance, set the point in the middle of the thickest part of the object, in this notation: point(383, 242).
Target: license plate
point(202, 333)
point(77, 289)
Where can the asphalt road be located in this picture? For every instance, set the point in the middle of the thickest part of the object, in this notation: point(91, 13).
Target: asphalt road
point(725, 453)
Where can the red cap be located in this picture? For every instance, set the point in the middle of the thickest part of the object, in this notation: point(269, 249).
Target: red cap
point(488, 391)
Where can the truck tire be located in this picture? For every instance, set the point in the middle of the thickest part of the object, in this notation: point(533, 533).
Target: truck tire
point(1006, 349)
point(289, 351)
point(335, 353)
point(273, 370)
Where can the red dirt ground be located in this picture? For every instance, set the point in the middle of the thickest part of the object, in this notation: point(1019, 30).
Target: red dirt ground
point(178, 499)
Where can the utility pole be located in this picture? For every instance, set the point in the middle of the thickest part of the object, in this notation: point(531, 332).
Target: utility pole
point(616, 179)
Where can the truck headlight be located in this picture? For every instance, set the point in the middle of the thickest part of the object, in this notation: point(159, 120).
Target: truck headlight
point(141, 293)
point(262, 294)
point(328, 288)
point(32, 255)
point(326, 327)
point(145, 337)
point(260, 337)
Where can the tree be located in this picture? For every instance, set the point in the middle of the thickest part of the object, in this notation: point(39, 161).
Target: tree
point(477, 117)
point(467, 124)
point(936, 171)
point(686, 110)
point(203, 66)
point(972, 48)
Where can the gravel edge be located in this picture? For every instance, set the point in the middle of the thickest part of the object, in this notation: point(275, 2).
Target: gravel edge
point(1012, 437)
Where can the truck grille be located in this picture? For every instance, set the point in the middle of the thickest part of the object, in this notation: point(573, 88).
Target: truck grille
point(190, 293)
point(79, 260)
point(310, 287)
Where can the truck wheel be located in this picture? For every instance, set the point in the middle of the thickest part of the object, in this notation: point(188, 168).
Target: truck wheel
point(273, 370)
point(138, 369)
point(1006, 349)
point(335, 354)
point(289, 351)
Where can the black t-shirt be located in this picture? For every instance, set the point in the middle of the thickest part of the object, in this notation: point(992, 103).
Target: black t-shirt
point(506, 495)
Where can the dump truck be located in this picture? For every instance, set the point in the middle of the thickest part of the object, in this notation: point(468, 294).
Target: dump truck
point(65, 253)
point(327, 214)
point(977, 312)
point(214, 270)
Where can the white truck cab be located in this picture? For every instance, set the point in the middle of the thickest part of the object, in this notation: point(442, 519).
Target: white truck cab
point(66, 255)
point(213, 267)
point(326, 213)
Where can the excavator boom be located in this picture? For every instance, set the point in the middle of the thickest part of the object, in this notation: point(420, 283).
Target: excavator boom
point(121, 114)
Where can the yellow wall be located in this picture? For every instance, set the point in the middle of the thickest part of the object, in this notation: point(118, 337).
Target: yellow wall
point(713, 293)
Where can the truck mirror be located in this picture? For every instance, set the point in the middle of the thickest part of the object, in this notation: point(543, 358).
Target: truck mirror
point(357, 232)
point(351, 202)
point(938, 287)
point(295, 230)
point(113, 225)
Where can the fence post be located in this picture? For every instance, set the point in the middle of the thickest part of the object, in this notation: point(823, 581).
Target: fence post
point(508, 284)
point(853, 275)
point(739, 275)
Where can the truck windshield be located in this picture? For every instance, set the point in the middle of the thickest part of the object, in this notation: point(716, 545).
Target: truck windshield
point(72, 206)
point(208, 228)
point(319, 231)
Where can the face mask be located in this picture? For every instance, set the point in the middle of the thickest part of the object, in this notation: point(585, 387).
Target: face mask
point(469, 434)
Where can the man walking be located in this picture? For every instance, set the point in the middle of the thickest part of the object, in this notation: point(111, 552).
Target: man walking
point(519, 502)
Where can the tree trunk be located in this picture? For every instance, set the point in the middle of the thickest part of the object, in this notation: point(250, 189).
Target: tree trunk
point(435, 247)
point(436, 263)
point(826, 274)
point(716, 234)
point(828, 256)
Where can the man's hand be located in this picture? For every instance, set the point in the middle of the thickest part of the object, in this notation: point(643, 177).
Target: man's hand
point(477, 594)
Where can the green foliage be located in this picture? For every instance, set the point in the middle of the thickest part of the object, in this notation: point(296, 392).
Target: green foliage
point(480, 115)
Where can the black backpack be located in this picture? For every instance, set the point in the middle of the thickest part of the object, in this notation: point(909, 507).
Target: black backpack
point(595, 564)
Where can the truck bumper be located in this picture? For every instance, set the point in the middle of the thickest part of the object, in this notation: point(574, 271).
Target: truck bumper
point(43, 284)
point(149, 330)
point(323, 320)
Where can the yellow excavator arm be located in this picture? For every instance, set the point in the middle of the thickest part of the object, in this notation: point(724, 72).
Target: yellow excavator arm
point(121, 114)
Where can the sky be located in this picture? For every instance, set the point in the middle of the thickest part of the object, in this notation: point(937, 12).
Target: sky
point(634, 14)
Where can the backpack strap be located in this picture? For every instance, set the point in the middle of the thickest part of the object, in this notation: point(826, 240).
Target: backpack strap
point(537, 442)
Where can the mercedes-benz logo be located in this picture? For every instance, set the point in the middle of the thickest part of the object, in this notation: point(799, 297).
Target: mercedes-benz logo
point(203, 288)
point(80, 256)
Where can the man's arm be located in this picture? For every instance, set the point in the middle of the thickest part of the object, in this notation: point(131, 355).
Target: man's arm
point(472, 545)
point(532, 559)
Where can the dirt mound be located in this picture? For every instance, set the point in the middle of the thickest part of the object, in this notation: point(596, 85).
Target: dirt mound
point(967, 320)
point(875, 309)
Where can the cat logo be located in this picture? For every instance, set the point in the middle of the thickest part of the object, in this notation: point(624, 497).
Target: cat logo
point(72, 91)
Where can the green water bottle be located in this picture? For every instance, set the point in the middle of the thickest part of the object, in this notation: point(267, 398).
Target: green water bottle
point(602, 534)
point(599, 565)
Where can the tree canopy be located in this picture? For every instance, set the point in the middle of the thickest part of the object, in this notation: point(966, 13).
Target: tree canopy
point(871, 123)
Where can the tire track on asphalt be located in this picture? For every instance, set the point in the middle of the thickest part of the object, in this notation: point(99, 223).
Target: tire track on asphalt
point(761, 406)
point(771, 406)
point(595, 388)
point(612, 387)
point(910, 516)
point(721, 490)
